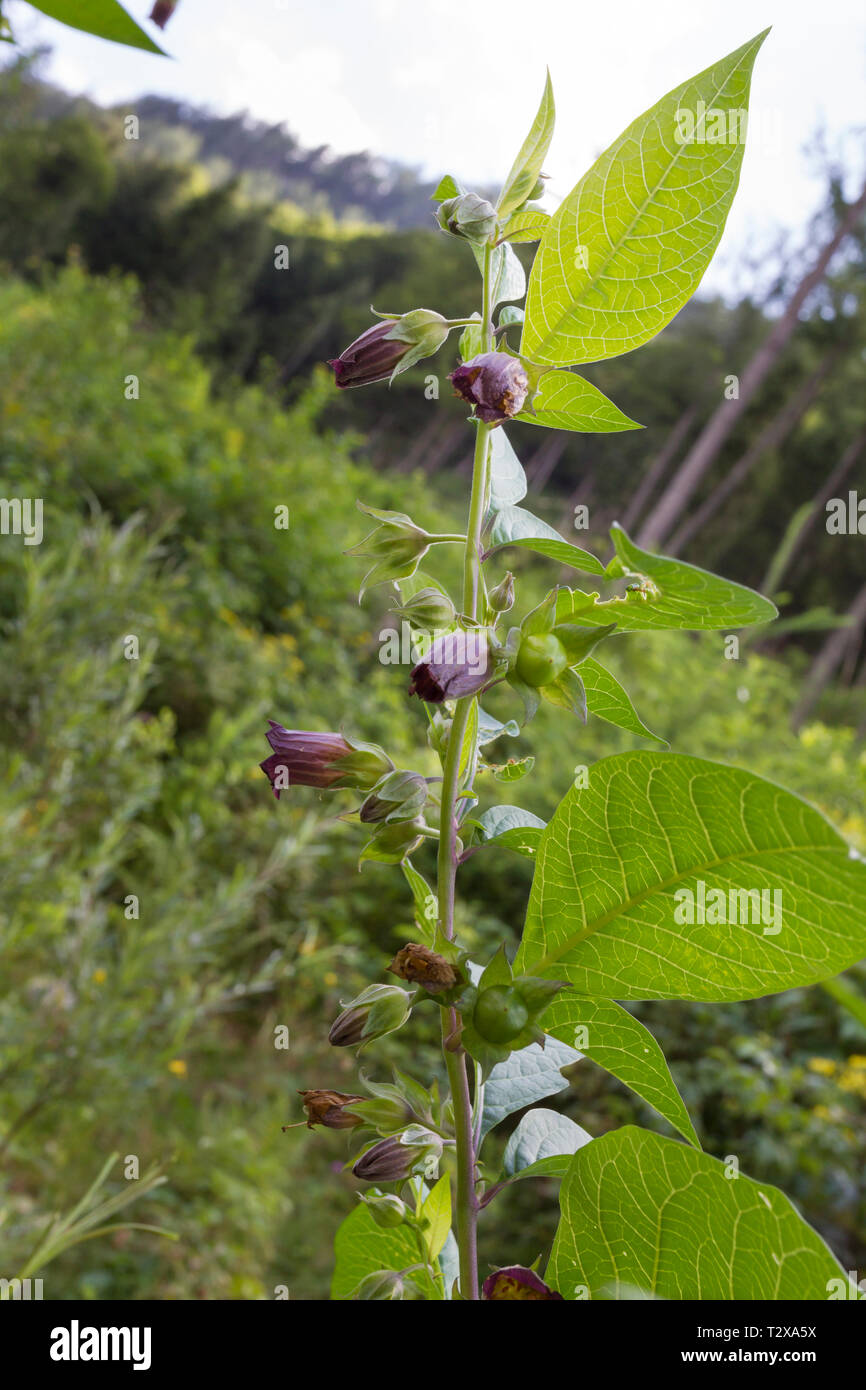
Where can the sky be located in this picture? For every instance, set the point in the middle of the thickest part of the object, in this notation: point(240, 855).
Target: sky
point(452, 86)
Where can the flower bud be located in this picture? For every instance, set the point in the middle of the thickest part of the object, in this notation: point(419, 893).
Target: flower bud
point(398, 797)
point(321, 760)
point(392, 1160)
point(517, 1282)
point(386, 1209)
point(328, 1108)
point(390, 347)
point(456, 665)
point(428, 609)
point(501, 599)
point(439, 732)
point(421, 966)
point(377, 1010)
point(469, 216)
point(541, 658)
point(495, 383)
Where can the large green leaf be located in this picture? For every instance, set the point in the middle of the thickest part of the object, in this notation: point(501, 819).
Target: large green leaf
point(527, 224)
point(644, 1213)
point(527, 166)
point(620, 855)
point(619, 1043)
point(676, 595)
point(361, 1247)
point(511, 827)
point(565, 401)
point(435, 1216)
point(542, 1134)
point(525, 1077)
point(516, 526)
point(507, 478)
point(104, 18)
point(606, 699)
point(629, 245)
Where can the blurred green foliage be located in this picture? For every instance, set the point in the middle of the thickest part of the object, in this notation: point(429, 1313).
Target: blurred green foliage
point(154, 1034)
point(161, 915)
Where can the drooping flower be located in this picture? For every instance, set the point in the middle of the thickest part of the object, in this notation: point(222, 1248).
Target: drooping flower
point(417, 1149)
point(494, 383)
point(377, 1010)
point(457, 664)
point(517, 1282)
point(305, 759)
point(390, 347)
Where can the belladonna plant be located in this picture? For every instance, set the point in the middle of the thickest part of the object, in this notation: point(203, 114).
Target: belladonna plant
point(651, 878)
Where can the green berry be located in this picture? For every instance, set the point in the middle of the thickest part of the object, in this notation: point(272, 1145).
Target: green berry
point(500, 1014)
point(540, 660)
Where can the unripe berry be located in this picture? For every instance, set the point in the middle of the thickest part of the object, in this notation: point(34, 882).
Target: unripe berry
point(540, 660)
point(500, 1014)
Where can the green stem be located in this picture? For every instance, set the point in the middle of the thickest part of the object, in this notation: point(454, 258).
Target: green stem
point(466, 1206)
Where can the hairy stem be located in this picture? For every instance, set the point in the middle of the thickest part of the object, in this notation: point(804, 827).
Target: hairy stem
point(457, 768)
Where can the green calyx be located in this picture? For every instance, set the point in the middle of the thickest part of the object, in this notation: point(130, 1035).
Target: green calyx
point(396, 797)
point(428, 610)
point(544, 656)
point(394, 1105)
point(377, 1010)
point(500, 1013)
point(366, 765)
point(469, 216)
point(396, 546)
point(423, 329)
point(386, 1208)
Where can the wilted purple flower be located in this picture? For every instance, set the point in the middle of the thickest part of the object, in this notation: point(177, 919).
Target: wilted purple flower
point(305, 759)
point(517, 1282)
point(390, 347)
point(456, 665)
point(329, 1108)
point(494, 382)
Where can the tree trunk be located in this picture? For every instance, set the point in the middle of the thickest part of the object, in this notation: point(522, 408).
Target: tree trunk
point(545, 459)
point(829, 658)
point(706, 447)
point(830, 489)
point(657, 469)
point(771, 437)
point(583, 494)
